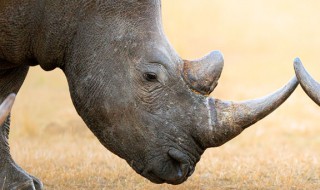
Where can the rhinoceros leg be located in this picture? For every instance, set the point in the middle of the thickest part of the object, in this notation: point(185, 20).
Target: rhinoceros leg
point(12, 177)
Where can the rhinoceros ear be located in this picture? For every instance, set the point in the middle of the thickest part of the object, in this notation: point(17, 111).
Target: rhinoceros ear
point(5, 107)
point(308, 84)
point(202, 75)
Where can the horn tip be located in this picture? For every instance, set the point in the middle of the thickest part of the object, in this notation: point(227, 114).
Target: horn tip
point(297, 60)
point(217, 56)
point(294, 81)
point(11, 97)
point(297, 63)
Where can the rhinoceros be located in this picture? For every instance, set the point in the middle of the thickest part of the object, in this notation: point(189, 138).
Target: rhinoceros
point(139, 98)
point(307, 82)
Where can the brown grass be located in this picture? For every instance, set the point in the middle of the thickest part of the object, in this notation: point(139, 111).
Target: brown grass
point(259, 40)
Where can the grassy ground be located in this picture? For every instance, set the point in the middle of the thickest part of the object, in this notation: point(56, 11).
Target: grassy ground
point(259, 40)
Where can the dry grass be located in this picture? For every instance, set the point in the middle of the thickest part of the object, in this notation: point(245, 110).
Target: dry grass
point(259, 40)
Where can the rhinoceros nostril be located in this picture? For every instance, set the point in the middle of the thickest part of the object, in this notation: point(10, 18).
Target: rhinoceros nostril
point(179, 172)
point(181, 163)
point(173, 168)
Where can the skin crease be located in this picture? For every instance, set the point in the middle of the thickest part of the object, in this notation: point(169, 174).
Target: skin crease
point(125, 80)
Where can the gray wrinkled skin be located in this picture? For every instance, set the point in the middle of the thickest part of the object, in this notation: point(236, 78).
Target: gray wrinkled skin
point(142, 101)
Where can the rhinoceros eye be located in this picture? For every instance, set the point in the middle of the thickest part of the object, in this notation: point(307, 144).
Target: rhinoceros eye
point(151, 77)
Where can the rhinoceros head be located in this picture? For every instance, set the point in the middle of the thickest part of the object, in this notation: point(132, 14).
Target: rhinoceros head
point(144, 102)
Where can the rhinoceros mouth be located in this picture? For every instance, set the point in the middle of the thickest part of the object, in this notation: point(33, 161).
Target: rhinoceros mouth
point(173, 168)
point(158, 180)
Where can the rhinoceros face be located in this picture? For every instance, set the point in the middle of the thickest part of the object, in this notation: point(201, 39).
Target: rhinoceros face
point(146, 104)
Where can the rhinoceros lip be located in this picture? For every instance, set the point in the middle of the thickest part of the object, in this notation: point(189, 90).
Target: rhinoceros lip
point(158, 180)
point(155, 179)
point(184, 169)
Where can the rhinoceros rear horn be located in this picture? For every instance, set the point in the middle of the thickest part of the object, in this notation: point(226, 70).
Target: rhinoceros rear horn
point(5, 107)
point(308, 84)
point(202, 75)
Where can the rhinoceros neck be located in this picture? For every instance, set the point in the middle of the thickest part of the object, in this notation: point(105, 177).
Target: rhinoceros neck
point(37, 32)
point(62, 23)
point(56, 28)
point(17, 24)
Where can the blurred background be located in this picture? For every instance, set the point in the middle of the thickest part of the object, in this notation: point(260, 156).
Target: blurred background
point(259, 40)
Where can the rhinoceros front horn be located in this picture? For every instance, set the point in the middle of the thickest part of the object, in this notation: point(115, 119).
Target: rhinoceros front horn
point(228, 119)
point(202, 75)
point(308, 84)
point(5, 107)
